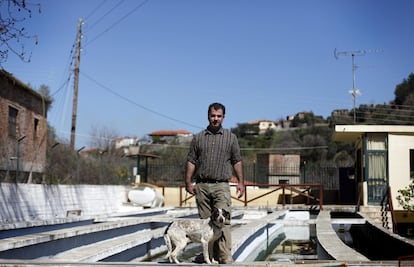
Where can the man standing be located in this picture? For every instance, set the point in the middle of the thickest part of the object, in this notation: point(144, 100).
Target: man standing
point(214, 153)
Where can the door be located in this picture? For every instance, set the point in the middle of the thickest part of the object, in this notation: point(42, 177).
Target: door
point(347, 186)
point(376, 167)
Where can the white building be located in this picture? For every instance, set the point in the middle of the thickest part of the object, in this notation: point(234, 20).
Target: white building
point(265, 125)
point(384, 158)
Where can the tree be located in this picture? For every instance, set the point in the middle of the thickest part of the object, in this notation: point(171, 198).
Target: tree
point(286, 140)
point(102, 137)
point(403, 90)
point(245, 129)
point(405, 197)
point(13, 15)
point(45, 92)
point(95, 166)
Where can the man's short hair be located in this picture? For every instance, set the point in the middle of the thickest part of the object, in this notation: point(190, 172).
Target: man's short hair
point(217, 106)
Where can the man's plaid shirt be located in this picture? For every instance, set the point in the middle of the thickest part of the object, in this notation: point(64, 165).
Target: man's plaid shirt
point(214, 154)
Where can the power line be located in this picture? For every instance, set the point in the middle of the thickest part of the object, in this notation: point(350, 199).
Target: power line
point(395, 109)
point(95, 9)
point(377, 120)
point(68, 69)
point(71, 58)
point(139, 105)
point(402, 111)
point(104, 15)
point(140, 5)
point(66, 78)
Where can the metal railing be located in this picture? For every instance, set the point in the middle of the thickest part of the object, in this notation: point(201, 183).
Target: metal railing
point(299, 189)
point(173, 175)
point(387, 205)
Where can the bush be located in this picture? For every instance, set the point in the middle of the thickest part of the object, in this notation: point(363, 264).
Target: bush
point(405, 197)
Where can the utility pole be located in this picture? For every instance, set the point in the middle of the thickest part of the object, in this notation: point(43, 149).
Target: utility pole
point(76, 84)
point(354, 92)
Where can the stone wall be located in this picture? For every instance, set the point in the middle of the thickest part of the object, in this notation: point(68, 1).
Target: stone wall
point(30, 125)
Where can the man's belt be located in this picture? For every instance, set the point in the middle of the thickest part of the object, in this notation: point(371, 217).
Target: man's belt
point(210, 181)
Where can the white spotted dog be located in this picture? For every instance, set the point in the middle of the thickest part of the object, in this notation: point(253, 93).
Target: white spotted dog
point(204, 231)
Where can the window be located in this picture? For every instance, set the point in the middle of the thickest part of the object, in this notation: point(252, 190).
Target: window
point(376, 142)
point(412, 163)
point(12, 121)
point(35, 129)
point(283, 181)
point(376, 151)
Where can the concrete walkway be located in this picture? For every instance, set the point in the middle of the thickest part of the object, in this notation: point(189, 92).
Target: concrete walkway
point(330, 242)
point(84, 256)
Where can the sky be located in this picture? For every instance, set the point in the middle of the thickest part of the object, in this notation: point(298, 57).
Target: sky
point(149, 65)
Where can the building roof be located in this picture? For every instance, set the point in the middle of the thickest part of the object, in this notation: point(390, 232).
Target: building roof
point(13, 80)
point(350, 133)
point(259, 121)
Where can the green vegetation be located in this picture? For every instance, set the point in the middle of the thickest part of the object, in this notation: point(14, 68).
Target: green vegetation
point(405, 197)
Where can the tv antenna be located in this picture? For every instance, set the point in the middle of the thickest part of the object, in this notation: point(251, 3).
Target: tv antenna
point(354, 92)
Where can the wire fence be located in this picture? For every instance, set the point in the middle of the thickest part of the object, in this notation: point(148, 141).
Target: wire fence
point(327, 175)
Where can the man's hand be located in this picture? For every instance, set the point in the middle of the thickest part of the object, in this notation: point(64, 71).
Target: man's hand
point(189, 172)
point(240, 189)
point(190, 188)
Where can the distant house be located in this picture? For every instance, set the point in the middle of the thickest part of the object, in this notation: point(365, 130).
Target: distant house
point(130, 145)
point(126, 142)
point(169, 136)
point(274, 168)
point(265, 125)
point(384, 158)
point(340, 113)
point(302, 115)
point(23, 129)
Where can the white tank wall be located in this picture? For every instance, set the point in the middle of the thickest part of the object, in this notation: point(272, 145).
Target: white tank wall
point(28, 202)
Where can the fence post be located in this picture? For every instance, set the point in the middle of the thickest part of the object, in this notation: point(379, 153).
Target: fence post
point(181, 196)
point(320, 197)
point(304, 171)
point(245, 196)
